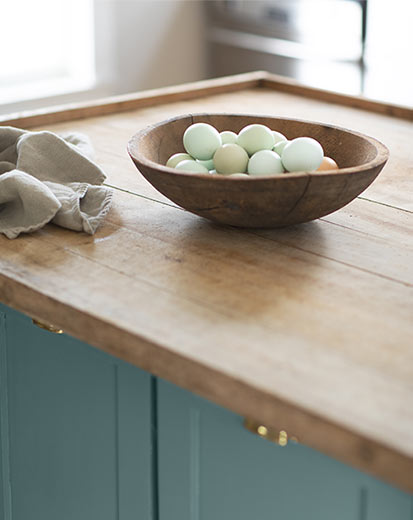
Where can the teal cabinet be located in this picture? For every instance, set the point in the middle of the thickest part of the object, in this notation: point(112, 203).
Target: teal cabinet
point(212, 468)
point(75, 429)
point(85, 436)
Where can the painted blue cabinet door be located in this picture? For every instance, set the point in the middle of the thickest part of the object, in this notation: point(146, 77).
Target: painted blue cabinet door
point(211, 468)
point(75, 429)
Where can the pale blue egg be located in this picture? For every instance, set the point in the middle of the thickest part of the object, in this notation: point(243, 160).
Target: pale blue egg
point(256, 137)
point(303, 154)
point(201, 141)
point(209, 165)
point(279, 147)
point(228, 137)
point(191, 166)
point(278, 137)
point(177, 158)
point(265, 162)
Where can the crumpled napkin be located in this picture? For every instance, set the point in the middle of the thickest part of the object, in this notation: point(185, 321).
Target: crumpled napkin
point(45, 178)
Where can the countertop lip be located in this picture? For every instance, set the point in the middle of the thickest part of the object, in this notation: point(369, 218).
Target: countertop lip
point(145, 98)
point(66, 327)
point(51, 308)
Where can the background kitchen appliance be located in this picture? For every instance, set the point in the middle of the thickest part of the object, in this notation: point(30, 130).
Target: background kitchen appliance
point(318, 42)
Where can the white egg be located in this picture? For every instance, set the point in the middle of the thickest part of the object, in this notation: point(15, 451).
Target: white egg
point(228, 137)
point(255, 137)
point(230, 158)
point(265, 162)
point(201, 141)
point(241, 175)
point(303, 154)
point(191, 166)
point(176, 158)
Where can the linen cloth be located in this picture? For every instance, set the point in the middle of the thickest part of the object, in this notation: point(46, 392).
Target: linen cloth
point(45, 178)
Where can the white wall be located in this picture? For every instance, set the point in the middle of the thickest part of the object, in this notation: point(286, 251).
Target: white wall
point(153, 42)
point(140, 44)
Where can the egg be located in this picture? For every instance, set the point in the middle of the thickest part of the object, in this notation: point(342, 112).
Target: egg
point(201, 141)
point(209, 165)
point(230, 158)
point(303, 154)
point(177, 158)
point(213, 172)
point(278, 137)
point(228, 137)
point(255, 137)
point(327, 164)
point(265, 162)
point(279, 147)
point(241, 175)
point(191, 166)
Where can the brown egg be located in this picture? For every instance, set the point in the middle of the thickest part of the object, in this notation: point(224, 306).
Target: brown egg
point(327, 164)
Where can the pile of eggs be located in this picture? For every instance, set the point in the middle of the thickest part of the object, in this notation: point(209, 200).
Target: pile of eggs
point(255, 151)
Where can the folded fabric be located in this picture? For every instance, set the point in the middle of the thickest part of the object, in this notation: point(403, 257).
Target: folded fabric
point(49, 178)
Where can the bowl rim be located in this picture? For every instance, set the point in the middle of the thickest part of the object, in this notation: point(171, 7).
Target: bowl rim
point(381, 157)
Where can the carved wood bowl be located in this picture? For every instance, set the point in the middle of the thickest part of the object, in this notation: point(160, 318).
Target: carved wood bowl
point(260, 202)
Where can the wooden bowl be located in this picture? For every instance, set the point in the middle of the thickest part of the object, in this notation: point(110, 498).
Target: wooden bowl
point(260, 202)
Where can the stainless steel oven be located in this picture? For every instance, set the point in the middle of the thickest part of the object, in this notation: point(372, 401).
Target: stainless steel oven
point(319, 42)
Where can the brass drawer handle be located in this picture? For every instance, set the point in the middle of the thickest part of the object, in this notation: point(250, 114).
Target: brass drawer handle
point(280, 437)
point(45, 326)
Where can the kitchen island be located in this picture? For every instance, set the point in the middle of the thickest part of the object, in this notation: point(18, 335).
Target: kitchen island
point(304, 331)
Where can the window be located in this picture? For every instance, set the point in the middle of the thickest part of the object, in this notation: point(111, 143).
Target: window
point(47, 48)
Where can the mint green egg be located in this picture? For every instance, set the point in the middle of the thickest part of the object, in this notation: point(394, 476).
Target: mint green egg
point(256, 137)
point(209, 165)
point(201, 141)
point(228, 137)
point(191, 166)
point(265, 162)
point(279, 147)
point(177, 158)
point(303, 154)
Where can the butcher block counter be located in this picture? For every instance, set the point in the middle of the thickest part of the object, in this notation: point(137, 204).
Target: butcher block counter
point(306, 330)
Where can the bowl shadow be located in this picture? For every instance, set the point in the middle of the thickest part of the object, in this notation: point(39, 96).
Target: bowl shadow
point(241, 273)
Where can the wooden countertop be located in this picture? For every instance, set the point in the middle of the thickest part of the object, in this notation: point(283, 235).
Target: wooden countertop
point(307, 329)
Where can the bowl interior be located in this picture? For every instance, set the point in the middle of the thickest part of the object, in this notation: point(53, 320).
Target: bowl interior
point(347, 148)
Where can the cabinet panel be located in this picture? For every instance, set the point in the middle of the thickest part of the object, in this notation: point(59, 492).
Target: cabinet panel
point(211, 468)
point(79, 427)
point(5, 495)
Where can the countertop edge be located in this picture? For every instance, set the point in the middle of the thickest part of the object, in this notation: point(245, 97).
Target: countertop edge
point(238, 396)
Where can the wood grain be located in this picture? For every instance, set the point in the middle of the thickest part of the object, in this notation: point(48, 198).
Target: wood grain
point(309, 328)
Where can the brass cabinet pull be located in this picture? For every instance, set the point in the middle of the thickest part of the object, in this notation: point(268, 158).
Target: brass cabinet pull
point(280, 437)
point(45, 326)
